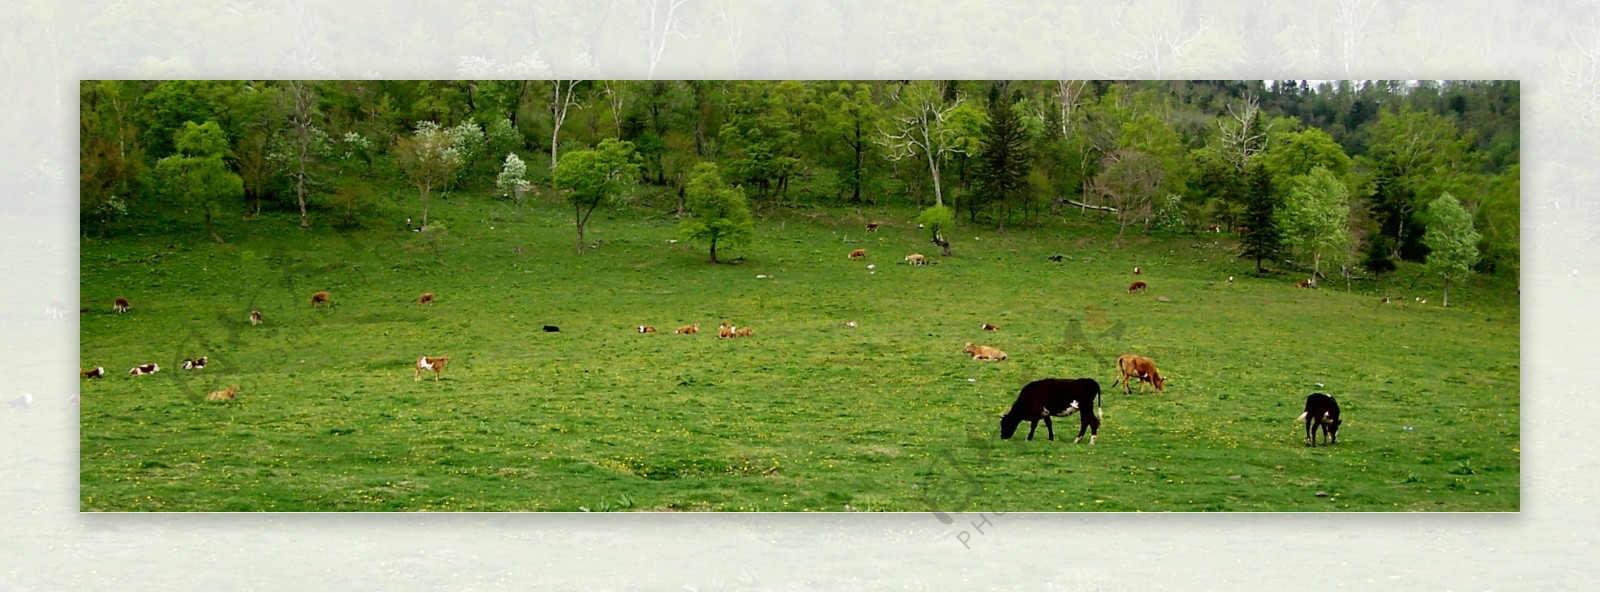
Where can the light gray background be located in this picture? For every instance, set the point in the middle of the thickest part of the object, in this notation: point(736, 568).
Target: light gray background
point(47, 46)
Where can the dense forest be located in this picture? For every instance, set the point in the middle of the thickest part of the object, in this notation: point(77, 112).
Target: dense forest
point(1336, 177)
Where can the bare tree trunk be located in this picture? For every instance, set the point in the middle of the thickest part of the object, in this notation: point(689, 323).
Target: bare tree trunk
point(577, 217)
point(714, 251)
point(300, 120)
point(1446, 292)
point(425, 189)
point(559, 106)
point(217, 238)
point(933, 166)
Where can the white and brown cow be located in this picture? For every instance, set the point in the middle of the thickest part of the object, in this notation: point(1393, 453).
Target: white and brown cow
point(144, 369)
point(431, 363)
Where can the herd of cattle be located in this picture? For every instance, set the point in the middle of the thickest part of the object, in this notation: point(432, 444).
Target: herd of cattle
point(1038, 400)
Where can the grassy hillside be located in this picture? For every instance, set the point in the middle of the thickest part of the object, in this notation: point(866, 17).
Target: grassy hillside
point(808, 414)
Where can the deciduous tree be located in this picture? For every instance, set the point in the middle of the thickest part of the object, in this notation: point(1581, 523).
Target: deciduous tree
point(197, 173)
point(1452, 242)
point(1314, 216)
point(719, 214)
point(429, 158)
point(595, 175)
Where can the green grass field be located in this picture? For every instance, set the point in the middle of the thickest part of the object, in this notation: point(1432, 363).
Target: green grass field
point(806, 415)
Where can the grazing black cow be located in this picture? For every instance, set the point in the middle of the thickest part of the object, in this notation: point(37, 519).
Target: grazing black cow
point(1044, 398)
point(551, 328)
point(1323, 411)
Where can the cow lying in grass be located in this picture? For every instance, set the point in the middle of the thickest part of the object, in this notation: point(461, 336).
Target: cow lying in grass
point(725, 330)
point(1044, 398)
point(224, 395)
point(194, 364)
point(431, 363)
point(1133, 366)
point(983, 352)
point(647, 329)
point(989, 327)
point(144, 369)
point(1323, 411)
point(320, 299)
point(120, 305)
point(94, 373)
point(425, 299)
point(688, 329)
point(255, 318)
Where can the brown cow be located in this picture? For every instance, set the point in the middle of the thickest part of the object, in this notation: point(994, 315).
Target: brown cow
point(319, 299)
point(1304, 283)
point(858, 254)
point(743, 333)
point(990, 327)
point(872, 227)
point(94, 373)
point(1138, 286)
point(983, 352)
point(120, 305)
point(647, 329)
point(431, 363)
point(917, 259)
point(224, 395)
point(1133, 366)
point(725, 330)
point(688, 329)
point(1137, 271)
point(425, 299)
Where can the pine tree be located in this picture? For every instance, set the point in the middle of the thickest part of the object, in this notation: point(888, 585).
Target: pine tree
point(1261, 238)
point(1004, 174)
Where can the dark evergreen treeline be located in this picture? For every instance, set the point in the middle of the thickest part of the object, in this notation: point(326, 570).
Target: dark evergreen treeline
point(1183, 156)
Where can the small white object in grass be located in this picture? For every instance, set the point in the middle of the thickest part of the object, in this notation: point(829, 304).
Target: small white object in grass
point(672, 240)
point(1318, 385)
point(872, 266)
point(851, 324)
point(761, 276)
point(972, 380)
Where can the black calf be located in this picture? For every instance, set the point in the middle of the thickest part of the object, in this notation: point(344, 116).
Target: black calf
point(1323, 411)
point(1044, 398)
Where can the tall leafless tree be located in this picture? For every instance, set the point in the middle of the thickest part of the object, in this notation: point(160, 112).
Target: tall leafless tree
point(302, 110)
point(563, 98)
point(662, 28)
